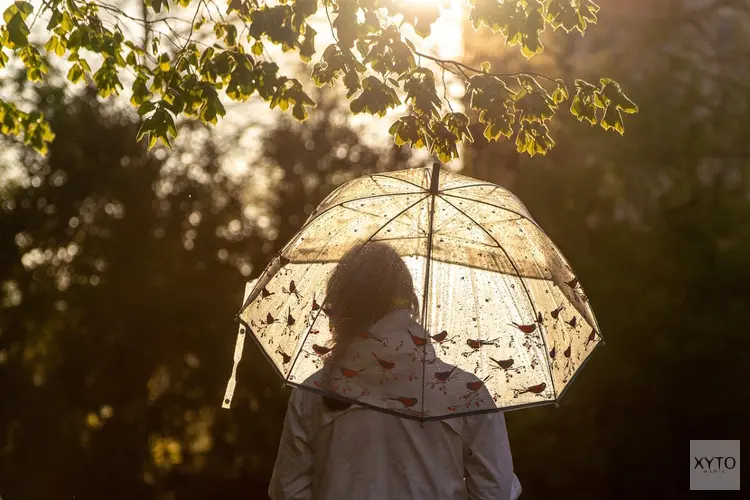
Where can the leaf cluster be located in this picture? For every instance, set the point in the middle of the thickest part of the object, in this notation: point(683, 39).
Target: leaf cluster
point(378, 66)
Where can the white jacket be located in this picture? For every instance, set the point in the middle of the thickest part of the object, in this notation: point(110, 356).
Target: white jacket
point(361, 454)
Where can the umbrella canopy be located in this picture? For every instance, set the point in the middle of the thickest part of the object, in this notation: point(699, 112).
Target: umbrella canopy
point(485, 313)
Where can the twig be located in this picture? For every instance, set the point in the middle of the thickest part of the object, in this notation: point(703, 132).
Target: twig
point(330, 23)
point(217, 10)
point(459, 72)
point(36, 14)
point(445, 92)
point(461, 66)
point(181, 53)
point(124, 14)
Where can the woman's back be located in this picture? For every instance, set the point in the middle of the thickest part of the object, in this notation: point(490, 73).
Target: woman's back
point(336, 449)
point(361, 454)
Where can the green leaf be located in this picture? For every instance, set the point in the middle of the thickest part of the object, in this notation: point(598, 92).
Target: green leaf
point(351, 82)
point(38, 133)
point(66, 23)
point(164, 62)
point(584, 106)
point(75, 74)
point(22, 9)
point(10, 12)
point(376, 98)
point(408, 130)
point(444, 142)
point(613, 120)
point(560, 94)
point(611, 92)
point(51, 44)
point(231, 35)
point(421, 92)
point(159, 126)
point(533, 138)
point(571, 15)
point(106, 79)
point(54, 20)
point(458, 123)
point(533, 101)
point(16, 31)
point(140, 95)
point(212, 108)
point(307, 47)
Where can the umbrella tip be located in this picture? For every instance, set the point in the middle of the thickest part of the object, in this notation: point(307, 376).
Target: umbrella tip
point(557, 405)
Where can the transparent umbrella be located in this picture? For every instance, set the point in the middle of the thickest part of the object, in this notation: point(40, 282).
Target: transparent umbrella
point(499, 321)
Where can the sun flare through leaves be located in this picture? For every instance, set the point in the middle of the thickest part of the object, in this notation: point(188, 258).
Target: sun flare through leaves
point(372, 58)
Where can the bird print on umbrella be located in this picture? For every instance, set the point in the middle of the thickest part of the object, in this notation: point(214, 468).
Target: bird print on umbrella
point(467, 310)
point(292, 290)
point(441, 379)
point(507, 366)
point(591, 338)
point(473, 394)
point(384, 364)
point(477, 344)
point(351, 373)
point(365, 335)
point(553, 356)
point(555, 313)
point(443, 340)
point(284, 356)
point(418, 340)
point(321, 350)
point(537, 389)
point(575, 286)
point(404, 400)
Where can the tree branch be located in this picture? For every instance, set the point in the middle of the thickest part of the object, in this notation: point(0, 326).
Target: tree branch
point(461, 67)
point(330, 23)
point(120, 12)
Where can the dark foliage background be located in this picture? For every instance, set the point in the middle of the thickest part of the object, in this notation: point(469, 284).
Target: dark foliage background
point(121, 271)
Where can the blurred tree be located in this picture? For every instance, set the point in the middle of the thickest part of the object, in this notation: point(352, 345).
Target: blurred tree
point(119, 279)
point(657, 228)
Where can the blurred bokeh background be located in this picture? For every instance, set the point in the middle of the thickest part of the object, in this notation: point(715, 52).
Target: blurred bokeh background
point(121, 272)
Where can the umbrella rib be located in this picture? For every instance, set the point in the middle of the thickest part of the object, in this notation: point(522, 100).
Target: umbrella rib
point(470, 186)
point(353, 199)
point(473, 200)
point(425, 291)
point(312, 323)
point(525, 288)
point(372, 176)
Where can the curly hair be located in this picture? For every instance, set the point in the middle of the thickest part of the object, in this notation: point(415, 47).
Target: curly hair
point(370, 281)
